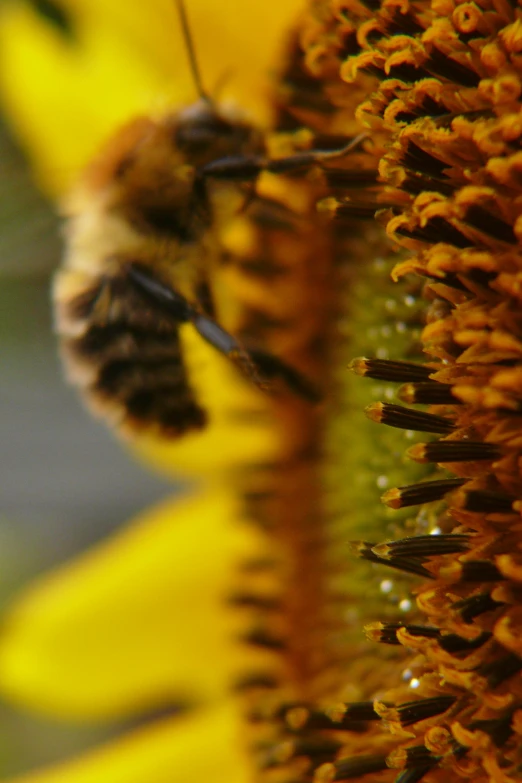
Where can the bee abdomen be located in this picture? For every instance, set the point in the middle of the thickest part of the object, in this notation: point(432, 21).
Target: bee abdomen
point(121, 341)
point(164, 409)
point(119, 377)
point(126, 359)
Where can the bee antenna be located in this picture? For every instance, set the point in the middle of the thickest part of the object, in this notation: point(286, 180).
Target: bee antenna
point(191, 52)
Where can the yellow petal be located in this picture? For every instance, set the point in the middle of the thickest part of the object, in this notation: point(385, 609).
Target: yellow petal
point(65, 95)
point(62, 98)
point(201, 747)
point(135, 623)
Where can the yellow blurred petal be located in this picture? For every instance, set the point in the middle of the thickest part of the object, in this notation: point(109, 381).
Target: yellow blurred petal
point(204, 746)
point(64, 97)
point(135, 623)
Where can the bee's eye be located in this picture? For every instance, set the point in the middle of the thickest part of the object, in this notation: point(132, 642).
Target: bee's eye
point(56, 16)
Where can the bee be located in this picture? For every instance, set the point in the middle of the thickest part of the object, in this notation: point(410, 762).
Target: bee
point(144, 248)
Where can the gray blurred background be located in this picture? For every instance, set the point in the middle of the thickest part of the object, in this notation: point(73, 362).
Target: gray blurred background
point(65, 482)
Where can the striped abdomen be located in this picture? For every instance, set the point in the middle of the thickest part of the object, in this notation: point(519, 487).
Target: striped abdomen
point(124, 354)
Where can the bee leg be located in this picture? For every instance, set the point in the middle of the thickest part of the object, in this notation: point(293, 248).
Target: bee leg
point(176, 304)
point(272, 367)
point(246, 168)
point(162, 293)
point(259, 366)
point(204, 298)
point(305, 160)
point(226, 344)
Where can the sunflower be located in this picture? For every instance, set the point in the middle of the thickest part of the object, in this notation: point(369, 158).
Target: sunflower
point(433, 573)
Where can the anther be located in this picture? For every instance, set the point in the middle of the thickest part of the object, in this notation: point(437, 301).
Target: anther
point(453, 451)
point(387, 370)
point(427, 393)
point(350, 768)
point(479, 571)
point(386, 633)
point(411, 565)
point(475, 605)
point(416, 756)
point(413, 711)
point(340, 717)
point(416, 494)
point(501, 669)
point(484, 501)
point(423, 546)
point(407, 418)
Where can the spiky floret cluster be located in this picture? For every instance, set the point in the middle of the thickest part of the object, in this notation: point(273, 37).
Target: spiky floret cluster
point(439, 87)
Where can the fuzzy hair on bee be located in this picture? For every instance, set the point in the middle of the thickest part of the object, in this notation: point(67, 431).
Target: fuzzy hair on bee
point(143, 249)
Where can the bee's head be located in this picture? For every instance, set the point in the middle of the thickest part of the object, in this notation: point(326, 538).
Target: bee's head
point(203, 133)
point(147, 172)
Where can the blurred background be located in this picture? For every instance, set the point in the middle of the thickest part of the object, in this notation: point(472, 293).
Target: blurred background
point(65, 481)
